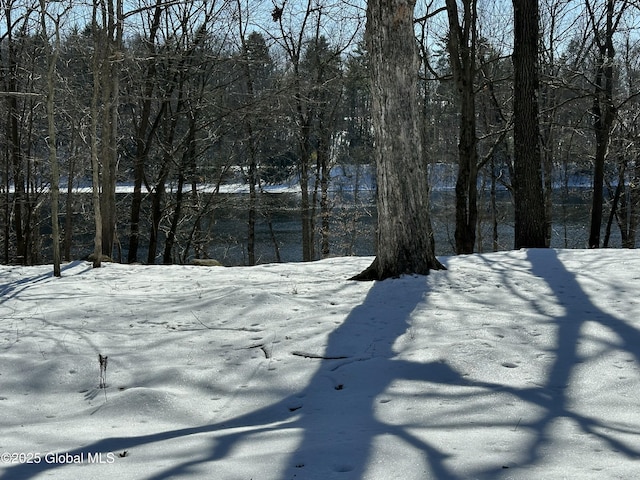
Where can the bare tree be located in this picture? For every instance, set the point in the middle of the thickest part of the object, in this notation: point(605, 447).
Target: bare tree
point(107, 29)
point(52, 52)
point(292, 43)
point(95, 163)
point(248, 51)
point(17, 98)
point(146, 122)
point(528, 194)
point(405, 243)
point(461, 44)
point(604, 24)
point(301, 34)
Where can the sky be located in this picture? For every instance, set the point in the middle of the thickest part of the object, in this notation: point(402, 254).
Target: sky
point(511, 365)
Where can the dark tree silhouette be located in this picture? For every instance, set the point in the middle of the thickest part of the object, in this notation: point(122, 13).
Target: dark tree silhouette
point(528, 194)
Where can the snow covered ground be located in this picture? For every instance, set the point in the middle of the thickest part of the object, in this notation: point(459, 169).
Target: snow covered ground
point(511, 365)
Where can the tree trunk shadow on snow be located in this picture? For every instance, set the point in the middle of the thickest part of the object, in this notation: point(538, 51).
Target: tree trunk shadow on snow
point(10, 290)
point(339, 417)
point(335, 413)
point(553, 396)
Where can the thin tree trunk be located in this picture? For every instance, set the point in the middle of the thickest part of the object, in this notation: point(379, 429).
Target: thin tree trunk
point(111, 98)
point(144, 132)
point(68, 221)
point(325, 213)
point(167, 257)
point(156, 216)
point(461, 45)
point(253, 194)
point(188, 158)
point(253, 161)
point(7, 213)
point(52, 57)
point(95, 164)
point(634, 205)
point(20, 193)
point(617, 209)
point(305, 204)
point(108, 154)
point(15, 207)
point(168, 140)
point(603, 112)
point(156, 210)
point(494, 205)
point(272, 235)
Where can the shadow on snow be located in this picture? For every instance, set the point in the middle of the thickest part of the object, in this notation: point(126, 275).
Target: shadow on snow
point(553, 397)
point(336, 413)
point(9, 290)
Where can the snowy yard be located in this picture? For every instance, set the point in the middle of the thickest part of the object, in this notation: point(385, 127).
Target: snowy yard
point(511, 365)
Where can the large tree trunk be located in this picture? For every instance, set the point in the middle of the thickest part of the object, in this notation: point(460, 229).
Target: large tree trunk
point(110, 73)
point(404, 234)
point(109, 157)
point(530, 218)
point(107, 179)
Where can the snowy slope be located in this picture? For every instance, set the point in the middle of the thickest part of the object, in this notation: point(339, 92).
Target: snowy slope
point(520, 364)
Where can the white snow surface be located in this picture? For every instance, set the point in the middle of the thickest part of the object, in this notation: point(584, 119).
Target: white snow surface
point(512, 365)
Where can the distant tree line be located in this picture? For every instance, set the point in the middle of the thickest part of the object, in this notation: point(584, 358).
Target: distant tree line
point(175, 98)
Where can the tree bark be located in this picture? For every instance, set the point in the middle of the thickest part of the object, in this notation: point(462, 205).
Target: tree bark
point(528, 193)
point(462, 50)
point(52, 57)
point(144, 133)
point(108, 42)
point(15, 208)
point(305, 204)
point(188, 158)
point(603, 112)
point(404, 243)
point(68, 220)
point(95, 163)
point(158, 195)
point(112, 36)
